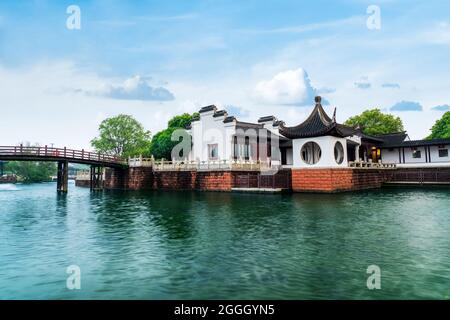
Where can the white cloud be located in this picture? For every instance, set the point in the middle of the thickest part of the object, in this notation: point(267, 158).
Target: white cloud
point(291, 87)
point(40, 105)
point(136, 88)
point(439, 35)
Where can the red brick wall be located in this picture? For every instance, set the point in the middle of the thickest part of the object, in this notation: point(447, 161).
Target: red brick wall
point(192, 180)
point(173, 180)
point(334, 180)
point(213, 180)
point(302, 180)
point(139, 178)
point(115, 178)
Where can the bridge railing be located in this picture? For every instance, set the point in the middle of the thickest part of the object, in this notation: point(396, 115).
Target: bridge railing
point(50, 152)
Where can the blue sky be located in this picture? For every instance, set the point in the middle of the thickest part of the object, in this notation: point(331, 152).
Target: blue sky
point(155, 59)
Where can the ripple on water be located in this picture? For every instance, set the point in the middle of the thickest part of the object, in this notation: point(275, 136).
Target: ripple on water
point(190, 245)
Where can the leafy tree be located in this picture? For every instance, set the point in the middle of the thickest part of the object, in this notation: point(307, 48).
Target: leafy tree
point(441, 128)
point(32, 171)
point(122, 136)
point(162, 145)
point(374, 122)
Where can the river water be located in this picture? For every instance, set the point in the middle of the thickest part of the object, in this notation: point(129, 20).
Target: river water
point(193, 245)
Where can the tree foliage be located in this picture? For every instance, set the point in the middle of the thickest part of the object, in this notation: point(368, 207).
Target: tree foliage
point(162, 144)
point(122, 136)
point(374, 122)
point(441, 129)
point(32, 171)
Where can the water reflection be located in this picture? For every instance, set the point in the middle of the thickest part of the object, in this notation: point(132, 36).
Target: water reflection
point(194, 245)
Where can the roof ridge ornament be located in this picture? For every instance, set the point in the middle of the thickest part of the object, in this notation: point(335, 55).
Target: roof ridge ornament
point(334, 115)
point(318, 99)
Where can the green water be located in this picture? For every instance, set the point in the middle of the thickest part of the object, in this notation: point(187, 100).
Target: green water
point(192, 245)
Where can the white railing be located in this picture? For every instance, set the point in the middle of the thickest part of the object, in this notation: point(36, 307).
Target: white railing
point(165, 165)
point(140, 162)
point(83, 175)
point(373, 165)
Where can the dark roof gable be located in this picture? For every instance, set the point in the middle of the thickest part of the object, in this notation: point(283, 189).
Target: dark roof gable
point(317, 124)
point(267, 119)
point(208, 108)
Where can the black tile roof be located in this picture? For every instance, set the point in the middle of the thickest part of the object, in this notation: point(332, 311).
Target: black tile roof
point(393, 138)
point(246, 125)
point(316, 125)
point(208, 108)
point(220, 113)
point(416, 143)
point(229, 119)
point(278, 123)
point(267, 119)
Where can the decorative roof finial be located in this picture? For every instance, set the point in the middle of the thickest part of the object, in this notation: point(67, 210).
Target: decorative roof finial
point(334, 115)
point(318, 99)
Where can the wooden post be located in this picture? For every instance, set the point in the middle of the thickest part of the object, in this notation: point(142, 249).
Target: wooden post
point(96, 178)
point(62, 181)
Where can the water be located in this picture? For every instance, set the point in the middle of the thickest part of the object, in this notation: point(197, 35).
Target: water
point(186, 245)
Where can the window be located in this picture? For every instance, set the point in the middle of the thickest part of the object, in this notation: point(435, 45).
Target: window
point(338, 152)
point(213, 151)
point(247, 148)
point(443, 152)
point(235, 148)
point(416, 154)
point(311, 153)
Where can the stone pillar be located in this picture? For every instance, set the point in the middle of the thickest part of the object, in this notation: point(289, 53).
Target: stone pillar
point(357, 153)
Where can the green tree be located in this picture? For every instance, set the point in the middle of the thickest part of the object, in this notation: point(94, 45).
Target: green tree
point(122, 136)
point(32, 171)
point(441, 128)
point(162, 144)
point(374, 122)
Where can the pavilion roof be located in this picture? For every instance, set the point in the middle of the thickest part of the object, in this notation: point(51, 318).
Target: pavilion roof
point(317, 124)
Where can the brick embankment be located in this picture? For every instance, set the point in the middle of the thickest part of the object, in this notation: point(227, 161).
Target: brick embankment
point(335, 180)
point(297, 180)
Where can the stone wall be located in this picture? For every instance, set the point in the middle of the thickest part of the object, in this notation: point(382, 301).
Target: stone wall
point(192, 180)
point(144, 178)
point(299, 180)
point(82, 183)
point(115, 178)
point(140, 178)
point(335, 180)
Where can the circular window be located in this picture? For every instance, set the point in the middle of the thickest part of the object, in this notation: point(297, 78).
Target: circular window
point(338, 152)
point(311, 153)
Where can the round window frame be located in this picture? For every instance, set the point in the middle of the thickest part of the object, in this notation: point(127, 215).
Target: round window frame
point(316, 147)
point(341, 153)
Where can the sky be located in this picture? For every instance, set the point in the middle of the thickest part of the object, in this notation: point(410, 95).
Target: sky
point(67, 65)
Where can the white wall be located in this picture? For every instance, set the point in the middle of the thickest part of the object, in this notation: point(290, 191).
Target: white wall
point(327, 159)
point(289, 157)
point(211, 130)
point(434, 154)
point(391, 156)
